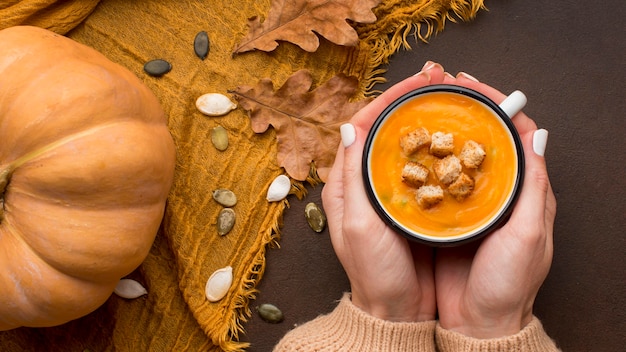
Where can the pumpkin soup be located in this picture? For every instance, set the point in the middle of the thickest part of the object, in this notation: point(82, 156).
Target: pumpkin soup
point(490, 166)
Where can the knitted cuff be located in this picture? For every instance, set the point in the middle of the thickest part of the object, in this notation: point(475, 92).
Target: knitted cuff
point(531, 338)
point(347, 328)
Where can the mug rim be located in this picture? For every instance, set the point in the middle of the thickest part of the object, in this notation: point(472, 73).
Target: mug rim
point(475, 234)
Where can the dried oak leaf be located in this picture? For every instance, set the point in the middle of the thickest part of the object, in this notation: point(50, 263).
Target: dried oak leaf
point(306, 121)
point(297, 21)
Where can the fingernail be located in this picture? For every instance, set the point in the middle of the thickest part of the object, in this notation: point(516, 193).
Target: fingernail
point(467, 76)
point(540, 140)
point(422, 73)
point(428, 65)
point(348, 134)
point(425, 73)
point(447, 74)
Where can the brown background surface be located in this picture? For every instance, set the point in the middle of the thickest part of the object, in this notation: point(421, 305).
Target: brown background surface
point(569, 59)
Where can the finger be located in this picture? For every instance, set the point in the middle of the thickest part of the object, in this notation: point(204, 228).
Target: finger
point(332, 193)
point(435, 71)
point(550, 216)
point(354, 195)
point(551, 206)
point(332, 200)
point(448, 78)
point(530, 209)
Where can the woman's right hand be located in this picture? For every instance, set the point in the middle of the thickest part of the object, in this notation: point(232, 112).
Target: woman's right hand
point(487, 289)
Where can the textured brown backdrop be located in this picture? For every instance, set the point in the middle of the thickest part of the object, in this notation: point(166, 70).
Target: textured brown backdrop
point(569, 59)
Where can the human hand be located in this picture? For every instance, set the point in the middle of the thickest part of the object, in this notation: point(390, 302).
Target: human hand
point(390, 278)
point(487, 289)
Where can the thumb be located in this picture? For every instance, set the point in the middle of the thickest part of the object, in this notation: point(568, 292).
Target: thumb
point(353, 140)
point(534, 203)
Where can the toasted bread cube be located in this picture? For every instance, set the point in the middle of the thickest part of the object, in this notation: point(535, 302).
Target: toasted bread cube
point(415, 140)
point(462, 187)
point(428, 196)
point(414, 174)
point(472, 154)
point(441, 144)
point(447, 169)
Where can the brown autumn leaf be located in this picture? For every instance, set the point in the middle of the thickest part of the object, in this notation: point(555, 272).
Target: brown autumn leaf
point(306, 121)
point(298, 21)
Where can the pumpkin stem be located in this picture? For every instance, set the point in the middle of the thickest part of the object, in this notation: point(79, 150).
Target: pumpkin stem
point(5, 175)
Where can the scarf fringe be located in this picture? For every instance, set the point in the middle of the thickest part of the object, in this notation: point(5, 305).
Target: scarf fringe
point(227, 331)
point(399, 20)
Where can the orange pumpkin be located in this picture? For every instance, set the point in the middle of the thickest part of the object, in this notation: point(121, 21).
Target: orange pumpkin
point(86, 164)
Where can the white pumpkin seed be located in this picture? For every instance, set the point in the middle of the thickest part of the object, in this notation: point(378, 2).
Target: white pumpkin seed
point(270, 313)
point(225, 197)
point(218, 284)
point(219, 138)
point(315, 217)
point(225, 221)
point(215, 104)
point(130, 289)
point(279, 189)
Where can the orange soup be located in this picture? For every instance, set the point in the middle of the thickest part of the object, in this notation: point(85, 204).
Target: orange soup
point(467, 119)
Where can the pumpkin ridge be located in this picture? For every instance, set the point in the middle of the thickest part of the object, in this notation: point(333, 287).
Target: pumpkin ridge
point(7, 172)
point(17, 236)
point(33, 301)
point(75, 270)
point(56, 144)
point(51, 200)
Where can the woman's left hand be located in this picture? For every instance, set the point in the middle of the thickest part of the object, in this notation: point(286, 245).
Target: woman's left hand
point(390, 278)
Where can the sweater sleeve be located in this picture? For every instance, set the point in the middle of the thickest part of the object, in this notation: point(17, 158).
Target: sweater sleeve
point(531, 338)
point(347, 328)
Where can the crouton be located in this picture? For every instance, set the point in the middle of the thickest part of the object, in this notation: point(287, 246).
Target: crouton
point(441, 144)
point(415, 140)
point(462, 187)
point(414, 174)
point(428, 196)
point(447, 169)
point(472, 154)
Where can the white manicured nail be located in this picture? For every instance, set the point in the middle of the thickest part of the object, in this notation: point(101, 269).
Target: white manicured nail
point(466, 75)
point(428, 65)
point(348, 134)
point(514, 103)
point(540, 140)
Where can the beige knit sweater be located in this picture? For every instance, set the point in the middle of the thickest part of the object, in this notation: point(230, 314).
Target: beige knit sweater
point(347, 328)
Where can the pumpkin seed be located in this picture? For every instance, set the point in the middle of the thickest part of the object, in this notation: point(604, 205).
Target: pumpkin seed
point(270, 313)
point(219, 138)
point(215, 104)
point(225, 197)
point(201, 45)
point(279, 189)
point(218, 284)
point(157, 67)
point(127, 288)
point(315, 217)
point(225, 221)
